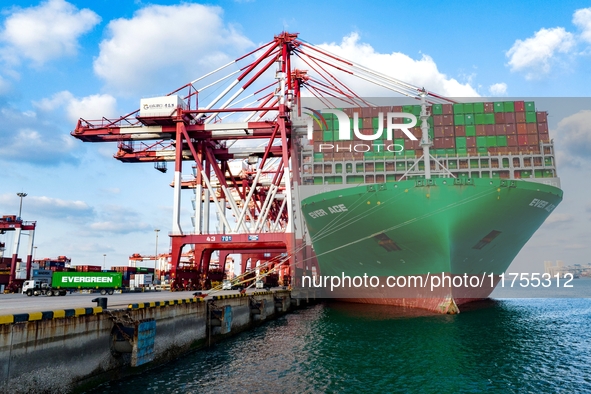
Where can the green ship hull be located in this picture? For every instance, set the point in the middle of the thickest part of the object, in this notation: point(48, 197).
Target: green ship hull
point(423, 228)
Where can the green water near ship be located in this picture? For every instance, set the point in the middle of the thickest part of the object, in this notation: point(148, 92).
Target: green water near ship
point(499, 346)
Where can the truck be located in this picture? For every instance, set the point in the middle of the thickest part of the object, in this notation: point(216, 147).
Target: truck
point(59, 283)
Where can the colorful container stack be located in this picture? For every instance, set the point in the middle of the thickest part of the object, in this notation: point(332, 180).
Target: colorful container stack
point(462, 129)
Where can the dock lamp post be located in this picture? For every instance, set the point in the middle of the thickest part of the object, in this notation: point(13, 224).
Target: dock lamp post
point(156, 230)
point(104, 261)
point(20, 209)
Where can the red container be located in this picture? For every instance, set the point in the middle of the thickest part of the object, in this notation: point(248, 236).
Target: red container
point(460, 131)
point(489, 108)
point(519, 106)
point(531, 128)
point(480, 129)
point(397, 108)
point(511, 140)
point(521, 128)
point(437, 120)
point(438, 132)
point(448, 131)
point(543, 128)
point(519, 117)
point(447, 120)
point(471, 151)
point(408, 144)
point(367, 122)
point(509, 117)
point(541, 117)
point(510, 129)
point(447, 109)
point(532, 140)
point(449, 142)
point(470, 142)
point(489, 129)
point(544, 137)
point(499, 117)
point(522, 140)
point(438, 143)
point(500, 129)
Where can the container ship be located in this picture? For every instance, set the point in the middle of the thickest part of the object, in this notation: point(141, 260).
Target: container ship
point(435, 220)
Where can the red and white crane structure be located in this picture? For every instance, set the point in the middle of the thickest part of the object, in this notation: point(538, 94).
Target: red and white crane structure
point(259, 100)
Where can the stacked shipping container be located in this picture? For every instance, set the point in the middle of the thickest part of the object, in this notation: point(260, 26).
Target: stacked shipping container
point(462, 129)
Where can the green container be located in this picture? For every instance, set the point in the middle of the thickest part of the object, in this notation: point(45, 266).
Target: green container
point(548, 161)
point(327, 135)
point(388, 155)
point(409, 153)
point(378, 156)
point(439, 152)
point(458, 109)
point(468, 108)
point(437, 109)
point(400, 143)
point(400, 166)
point(379, 167)
point(318, 156)
point(509, 106)
point(86, 280)
point(390, 178)
point(470, 131)
point(329, 180)
point(482, 150)
point(496, 174)
point(499, 106)
point(489, 118)
point(458, 120)
point(486, 175)
point(473, 163)
point(530, 106)
point(478, 108)
point(338, 168)
point(501, 140)
point(375, 122)
point(450, 151)
point(416, 110)
point(539, 173)
point(530, 117)
point(460, 142)
point(378, 146)
point(369, 155)
point(354, 179)
point(461, 151)
point(318, 180)
point(481, 141)
point(407, 109)
point(525, 174)
point(479, 118)
point(359, 167)
point(491, 140)
point(463, 175)
point(452, 164)
point(468, 119)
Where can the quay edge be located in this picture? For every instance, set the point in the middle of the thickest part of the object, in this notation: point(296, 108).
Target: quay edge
point(47, 352)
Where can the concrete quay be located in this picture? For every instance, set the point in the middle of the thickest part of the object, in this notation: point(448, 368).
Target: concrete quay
point(69, 350)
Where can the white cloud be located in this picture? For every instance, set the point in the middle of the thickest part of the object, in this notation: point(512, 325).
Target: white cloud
point(50, 206)
point(421, 73)
point(92, 107)
point(536, 55)
point(582, 19)
point(559, 218)
point(155, 51)
point(573, 136)
point(498, 89)
point(45, 32)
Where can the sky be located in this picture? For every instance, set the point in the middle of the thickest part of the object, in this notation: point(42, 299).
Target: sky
point(61, 61)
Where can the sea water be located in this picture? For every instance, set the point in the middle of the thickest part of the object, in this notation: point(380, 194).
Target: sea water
point(509, 345)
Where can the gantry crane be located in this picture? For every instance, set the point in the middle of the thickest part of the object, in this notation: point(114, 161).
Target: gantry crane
point(263, 197)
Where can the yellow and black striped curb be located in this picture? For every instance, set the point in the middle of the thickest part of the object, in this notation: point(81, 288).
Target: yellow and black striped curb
point(228, 296)
point(142, 305)
point(48, 315)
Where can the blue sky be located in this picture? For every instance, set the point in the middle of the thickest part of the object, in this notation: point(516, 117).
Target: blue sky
point(60, 61)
